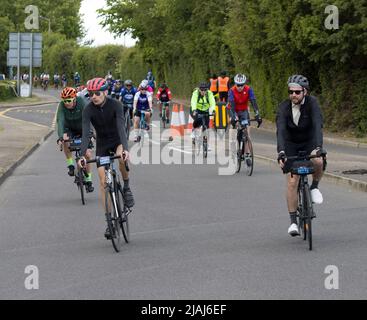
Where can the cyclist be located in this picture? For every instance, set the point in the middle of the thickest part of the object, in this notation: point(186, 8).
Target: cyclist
point(202, 102)
point(69, 125)
point(45, 80)
point(56, 80)
point(76, 79)
point(64, 80)
point(143, 101)
point(145, 84)
point(127, 97)
point(117, 87)
point(151, 80)
point(239, 96)
point(110, 82)
point(106, 116)
point(164, 95)
point(299, 128)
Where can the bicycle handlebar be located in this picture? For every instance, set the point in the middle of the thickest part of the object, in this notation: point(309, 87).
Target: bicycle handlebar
point(258, 125)
point(96, 159)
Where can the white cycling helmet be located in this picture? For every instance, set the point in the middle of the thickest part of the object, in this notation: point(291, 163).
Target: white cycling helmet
point(144, 84)
point(240, 79)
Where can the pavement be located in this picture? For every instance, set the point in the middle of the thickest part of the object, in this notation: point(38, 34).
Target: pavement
point(195, 234)
point(21, 135)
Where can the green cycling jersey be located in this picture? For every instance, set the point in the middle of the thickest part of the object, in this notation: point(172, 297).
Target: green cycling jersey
point(70, 119)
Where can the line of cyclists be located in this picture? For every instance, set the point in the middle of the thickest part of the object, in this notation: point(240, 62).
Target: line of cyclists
point(299, 123)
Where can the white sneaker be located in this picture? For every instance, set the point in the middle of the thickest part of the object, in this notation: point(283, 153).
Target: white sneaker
point(316, 196)
point(293, 230)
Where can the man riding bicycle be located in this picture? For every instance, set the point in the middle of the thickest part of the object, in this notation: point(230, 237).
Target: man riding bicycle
point(143, 102)
point(106, 116)
point(299, 128)
point(164, 96)
point(202, 103)
point(239, 96)
point(127, 97)
point(69, 126)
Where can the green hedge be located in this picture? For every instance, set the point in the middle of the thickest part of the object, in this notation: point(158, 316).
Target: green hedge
point(6, 90)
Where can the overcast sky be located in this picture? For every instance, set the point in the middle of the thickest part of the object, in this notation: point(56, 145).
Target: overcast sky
point(94, 30)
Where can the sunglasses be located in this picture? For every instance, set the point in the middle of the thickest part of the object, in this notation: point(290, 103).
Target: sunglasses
point(92, 93)
point(240, 85)
point(297, 92)
point(68, 101)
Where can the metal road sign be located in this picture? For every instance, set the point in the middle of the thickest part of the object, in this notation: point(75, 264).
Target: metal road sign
point(25, 45)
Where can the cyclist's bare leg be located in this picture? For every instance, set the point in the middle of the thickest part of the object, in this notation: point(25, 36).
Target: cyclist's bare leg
point(318, 165)
point(147, 118)
point(102, 185)
point(67, 151)
point(292, 188)
point(167, 112)
point(88, 156)
point(248, 134)
point(122, 167)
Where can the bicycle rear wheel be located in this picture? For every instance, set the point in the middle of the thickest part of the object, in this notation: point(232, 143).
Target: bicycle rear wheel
point(240, 153)
point(249, 158)
point(124, 216)
point(113, 220)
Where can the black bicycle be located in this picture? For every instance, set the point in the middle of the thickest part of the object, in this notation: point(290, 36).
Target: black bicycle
point(201, 140)
point(74, 146)
point(303, 166)
point(117, 214)
point(127, 108)
point(165, 118)
point(245, 151)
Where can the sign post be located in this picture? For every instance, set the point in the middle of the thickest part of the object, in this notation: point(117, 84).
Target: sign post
point(25, 50)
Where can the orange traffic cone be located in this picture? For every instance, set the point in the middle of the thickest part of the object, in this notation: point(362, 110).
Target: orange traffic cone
point(175, 122)
point(211, 122)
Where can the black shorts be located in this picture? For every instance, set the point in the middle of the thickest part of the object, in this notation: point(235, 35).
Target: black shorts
point(73, 133)
point(292, 149)
point(105, 148)
point(138, 113)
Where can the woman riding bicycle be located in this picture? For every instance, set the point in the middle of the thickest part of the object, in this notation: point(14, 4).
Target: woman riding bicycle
point(143, 102)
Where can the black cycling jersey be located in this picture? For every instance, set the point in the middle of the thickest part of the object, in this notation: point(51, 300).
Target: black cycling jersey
point(309, 129)
point(108, 121)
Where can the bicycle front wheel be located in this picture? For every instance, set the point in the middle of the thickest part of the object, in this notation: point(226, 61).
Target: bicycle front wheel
point(113, 221)
point(79, 182)
point(240, 153)
point(308, 215)
point(124, 216)
point(249, 160)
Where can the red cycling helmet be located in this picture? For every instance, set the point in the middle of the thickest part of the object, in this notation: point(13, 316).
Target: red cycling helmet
point(97, 84)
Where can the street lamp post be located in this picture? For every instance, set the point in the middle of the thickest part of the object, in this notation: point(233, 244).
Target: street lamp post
point(49, 23)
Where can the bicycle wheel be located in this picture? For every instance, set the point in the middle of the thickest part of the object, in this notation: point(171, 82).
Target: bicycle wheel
point(249, 161)
point(113, 220)
point(127, 124)
point(124, 216)
point(79, 182)
point(240, 153)
point(205, 147)
point(163, 116)
point(308, 215)
point(300, 209)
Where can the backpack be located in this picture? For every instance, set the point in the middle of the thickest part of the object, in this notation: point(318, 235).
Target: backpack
point(199, 95)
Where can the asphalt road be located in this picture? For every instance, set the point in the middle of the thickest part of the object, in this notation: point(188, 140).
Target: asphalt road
point(195, 235)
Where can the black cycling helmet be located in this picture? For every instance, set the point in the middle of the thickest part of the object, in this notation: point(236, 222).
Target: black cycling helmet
point(203, 86)
point(164, 86)
point(300, 80)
